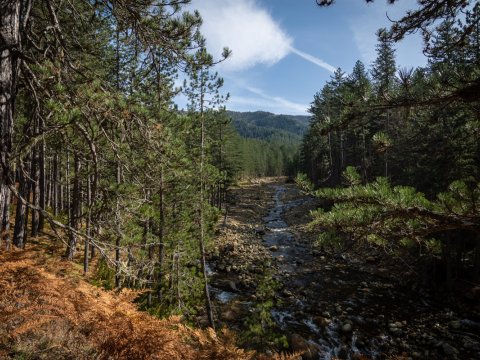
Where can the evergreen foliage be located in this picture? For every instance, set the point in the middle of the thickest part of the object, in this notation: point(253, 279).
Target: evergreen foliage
point(100, 153)
point(406, 141)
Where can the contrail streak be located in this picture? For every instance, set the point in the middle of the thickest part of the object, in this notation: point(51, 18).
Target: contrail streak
point(313, 59)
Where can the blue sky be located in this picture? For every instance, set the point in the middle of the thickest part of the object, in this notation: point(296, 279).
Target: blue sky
point(283, 51)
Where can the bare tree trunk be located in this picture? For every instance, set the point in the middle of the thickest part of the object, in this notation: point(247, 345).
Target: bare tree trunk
point(48, 180)
point(35, 188)
point(18, 232)
point(9, 43)
point(146, 230)
point(118, 239)
point(55, 186)
point(161, 246)
point(74, 208)
point(6, 220)
point(42, 184)
point(88, 226)
point(28, 193)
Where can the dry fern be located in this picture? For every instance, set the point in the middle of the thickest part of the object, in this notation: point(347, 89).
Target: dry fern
point(46, 316)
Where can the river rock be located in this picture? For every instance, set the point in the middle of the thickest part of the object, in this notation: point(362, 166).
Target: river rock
point(347, 327)
point(395, 328)
point(449, 349)
point(456, 324)
point(232, 286)
point(299, 344)
point(259, 231)
point(229, 315)
point(320, 321)
point(274, 248)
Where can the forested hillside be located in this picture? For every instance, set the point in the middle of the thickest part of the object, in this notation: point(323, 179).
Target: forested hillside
point(268, 126)
point(269, 143)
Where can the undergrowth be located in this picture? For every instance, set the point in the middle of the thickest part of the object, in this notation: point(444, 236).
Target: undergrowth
point(45, 313)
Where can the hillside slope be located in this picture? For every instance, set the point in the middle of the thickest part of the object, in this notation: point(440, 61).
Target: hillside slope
point(48, 311)
point(268, 126)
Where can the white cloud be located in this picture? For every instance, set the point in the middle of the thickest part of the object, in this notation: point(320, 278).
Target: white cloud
point(247, 103)
point(278, 103)
point(248, 30)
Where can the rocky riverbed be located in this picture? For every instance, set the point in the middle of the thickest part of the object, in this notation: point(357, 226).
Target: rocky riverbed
point(327, 304)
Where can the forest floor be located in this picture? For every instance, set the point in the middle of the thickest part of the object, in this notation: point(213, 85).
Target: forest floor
point(48, 310)
point(271, 284)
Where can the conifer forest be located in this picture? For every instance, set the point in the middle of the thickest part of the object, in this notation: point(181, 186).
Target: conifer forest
point(134, 225)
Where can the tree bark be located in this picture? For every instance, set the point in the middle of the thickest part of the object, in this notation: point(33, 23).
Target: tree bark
point(55, 186)
point(9, 42)
point(203, 266)
point(35, 183)
point(118, 229)
point(18, 232)
point(6, 220)
point(88, 226)
point(42, 188)
point(161, 247)
point(74, 208)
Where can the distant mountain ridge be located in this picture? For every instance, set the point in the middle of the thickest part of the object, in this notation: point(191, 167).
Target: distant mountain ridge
point(267, 126)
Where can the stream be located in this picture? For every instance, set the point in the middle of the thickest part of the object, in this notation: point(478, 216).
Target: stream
point(333, 306)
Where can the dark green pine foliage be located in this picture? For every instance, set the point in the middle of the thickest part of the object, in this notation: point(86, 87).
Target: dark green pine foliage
point(104, 156)
point(411, 174)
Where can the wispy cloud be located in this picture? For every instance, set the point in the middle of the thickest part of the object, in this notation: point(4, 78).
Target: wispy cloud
point(247, 103)
point(250, 32)
point(313, 59)
point(278, 103)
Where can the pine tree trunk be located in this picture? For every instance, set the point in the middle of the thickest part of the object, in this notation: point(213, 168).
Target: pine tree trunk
point(88, 226)
point(161, 246)
point(18, 232)
point(28, 194)
point(74, 208)
point(117, 241)
point(42, 188)
point(9, 41)
point(6, 220)
point(35, 181)
point(48, 180)
point(55, 186)
point(203, 266)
